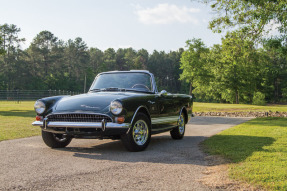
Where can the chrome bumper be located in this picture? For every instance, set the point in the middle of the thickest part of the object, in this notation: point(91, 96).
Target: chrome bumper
point(82, 125)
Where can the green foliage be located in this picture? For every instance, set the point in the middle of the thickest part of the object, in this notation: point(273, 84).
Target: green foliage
point(231, 72)
point(249, 16)
point(1, 46)
point(257, 150)
point(258, 99)
point(193, 63)
point(50, 63)
point(274, 58)
point(284, 94)
point(238, 67)
point(10, 68)
point(165, 67)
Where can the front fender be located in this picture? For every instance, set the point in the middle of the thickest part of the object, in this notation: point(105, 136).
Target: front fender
point(50, 103)
point(132, 107)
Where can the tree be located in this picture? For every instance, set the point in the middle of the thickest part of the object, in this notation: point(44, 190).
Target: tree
point(274, 58)
point(193, 63)
point(156, 65)
point(172, 71)
point(43, 49)
point(77, 64)
point(9, 60)
point(141, 60)
point(1, 45)
point(121, 62)
point(77, 57)
point(230, 72)
point(130, 57)
point(109, 59)
point(240, 67)
point(96, 60)
point(212, 88)
point(249, 16)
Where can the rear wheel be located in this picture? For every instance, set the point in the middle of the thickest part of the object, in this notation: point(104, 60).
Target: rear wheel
point(178, 132)
point(139, 134)
point(55, 140)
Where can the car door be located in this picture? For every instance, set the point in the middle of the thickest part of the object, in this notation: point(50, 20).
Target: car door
point(167, 115)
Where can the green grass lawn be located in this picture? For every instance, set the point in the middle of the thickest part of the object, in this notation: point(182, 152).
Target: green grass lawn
point(257, 150)
point(16, 119)
point(219, 107)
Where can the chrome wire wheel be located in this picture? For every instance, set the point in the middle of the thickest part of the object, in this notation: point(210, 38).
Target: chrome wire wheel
point(140, 132)
point(181, 124)
point(138, 136)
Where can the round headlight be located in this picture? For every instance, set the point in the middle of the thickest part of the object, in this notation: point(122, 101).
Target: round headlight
point(116, 107)
point(39, 107)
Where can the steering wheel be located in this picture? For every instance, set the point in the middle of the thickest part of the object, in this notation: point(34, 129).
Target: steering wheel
point(140, 86)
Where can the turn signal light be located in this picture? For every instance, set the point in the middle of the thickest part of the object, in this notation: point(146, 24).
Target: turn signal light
point(120, 120)
point(39, 118)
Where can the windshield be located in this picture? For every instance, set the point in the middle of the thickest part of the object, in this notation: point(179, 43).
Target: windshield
point(127, 81)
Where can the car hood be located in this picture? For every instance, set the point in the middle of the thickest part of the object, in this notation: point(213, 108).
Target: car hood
point(95, 102)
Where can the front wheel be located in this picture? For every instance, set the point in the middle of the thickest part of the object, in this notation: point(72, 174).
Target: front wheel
point(138, 137)
point(178, 132)
point(55, 140)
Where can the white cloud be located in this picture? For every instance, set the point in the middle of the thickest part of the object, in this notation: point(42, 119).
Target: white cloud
point(167, 14)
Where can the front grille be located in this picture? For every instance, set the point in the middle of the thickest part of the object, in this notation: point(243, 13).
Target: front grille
point(78, 117)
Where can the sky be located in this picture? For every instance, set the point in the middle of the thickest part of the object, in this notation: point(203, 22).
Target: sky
point(150, 24)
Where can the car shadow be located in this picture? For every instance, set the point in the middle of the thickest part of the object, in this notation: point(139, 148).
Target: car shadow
point(163, 149)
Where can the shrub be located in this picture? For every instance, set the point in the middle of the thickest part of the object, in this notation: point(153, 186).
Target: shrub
point(258, 99)
point(284, 94)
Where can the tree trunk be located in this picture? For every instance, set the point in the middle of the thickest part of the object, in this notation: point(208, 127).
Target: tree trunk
point(190, 89)
point(237, 96)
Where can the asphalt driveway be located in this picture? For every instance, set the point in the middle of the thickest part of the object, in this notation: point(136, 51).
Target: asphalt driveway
point(28, 164)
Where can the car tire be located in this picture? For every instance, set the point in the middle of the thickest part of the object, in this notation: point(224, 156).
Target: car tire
point(138, 137)
point(178, 132)
point(55, 140)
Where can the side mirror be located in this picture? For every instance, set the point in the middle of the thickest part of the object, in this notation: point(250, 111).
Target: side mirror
point(163, 93)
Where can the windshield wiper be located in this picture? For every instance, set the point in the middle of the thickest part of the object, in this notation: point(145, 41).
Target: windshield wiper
point(113, 89)
point(95, 90)
point(137, 90)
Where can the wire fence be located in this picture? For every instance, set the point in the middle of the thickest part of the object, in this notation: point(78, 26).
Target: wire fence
point(20, 95)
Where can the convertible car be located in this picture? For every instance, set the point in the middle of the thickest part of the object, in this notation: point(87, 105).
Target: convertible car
point(122, 105)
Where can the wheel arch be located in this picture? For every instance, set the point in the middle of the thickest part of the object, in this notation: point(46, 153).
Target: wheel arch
point(184, 111)
point(141, 109)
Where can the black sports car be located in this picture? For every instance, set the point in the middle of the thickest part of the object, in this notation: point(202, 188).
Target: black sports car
point(122, 105)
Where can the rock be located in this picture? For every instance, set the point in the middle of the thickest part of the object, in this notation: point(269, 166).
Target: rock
point(243, 114)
